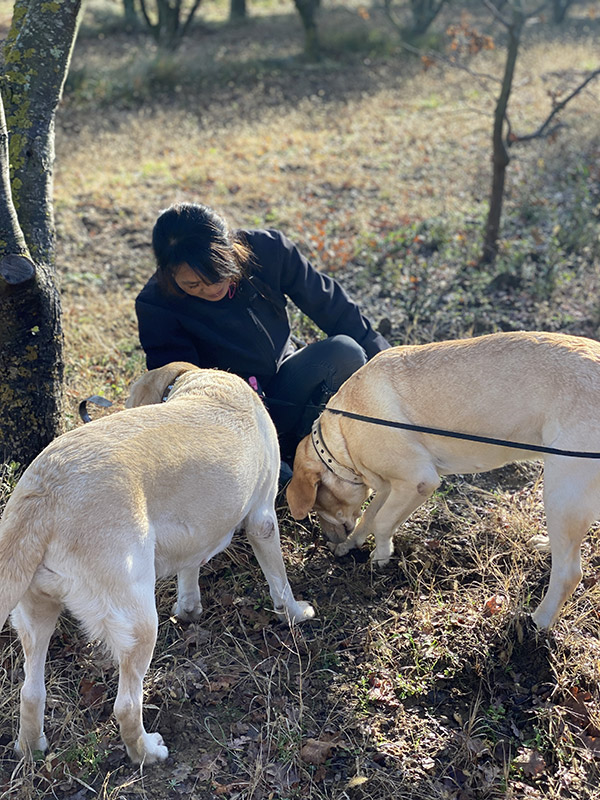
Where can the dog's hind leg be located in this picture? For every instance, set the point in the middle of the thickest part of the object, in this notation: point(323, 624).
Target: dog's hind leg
point(131, 634)
point(35, 620)
point(571, 504)
point(263, 534)
point(189, 605)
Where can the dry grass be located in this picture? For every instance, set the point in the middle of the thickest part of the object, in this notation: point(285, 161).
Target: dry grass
point(406, 685)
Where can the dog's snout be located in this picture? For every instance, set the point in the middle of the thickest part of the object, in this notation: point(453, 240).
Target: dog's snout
point(334, 532)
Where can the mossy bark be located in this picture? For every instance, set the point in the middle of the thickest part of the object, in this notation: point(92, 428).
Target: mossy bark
point(31, 364)
point(37, 53)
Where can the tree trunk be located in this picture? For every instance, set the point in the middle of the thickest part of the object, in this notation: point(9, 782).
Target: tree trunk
point(237, 10)
point(31, 360)
point(559, 10)
point(169, 26)
point(37, 53)
point(423, 14)
point(308, 12)
point(36, 59)
point(129, 13)
point(500, 157)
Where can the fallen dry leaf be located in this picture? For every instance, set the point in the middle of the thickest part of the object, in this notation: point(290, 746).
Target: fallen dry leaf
point(357, 780)
point(317, 751)
point(382, 691)
point(580, 705)
point(530, 761)
point(494, 605)
point(92, 693)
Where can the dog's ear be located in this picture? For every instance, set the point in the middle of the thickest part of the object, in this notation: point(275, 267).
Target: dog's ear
point(151, 387)
point(302, 489)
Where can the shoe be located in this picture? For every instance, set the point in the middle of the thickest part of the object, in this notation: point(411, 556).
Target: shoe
point(285, 475)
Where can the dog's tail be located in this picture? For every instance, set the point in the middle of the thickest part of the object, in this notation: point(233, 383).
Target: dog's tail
point(23, 540)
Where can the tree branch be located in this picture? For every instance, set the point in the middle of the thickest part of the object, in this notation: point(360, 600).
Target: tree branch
point(541, 131)
point(12, 240)
point(151, 26)
point(190, 17)
point(438, 58)
point(37, 53)
point(16, 269)
point(495, 11)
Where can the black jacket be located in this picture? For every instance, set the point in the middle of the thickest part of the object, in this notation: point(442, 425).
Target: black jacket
point(249, 334)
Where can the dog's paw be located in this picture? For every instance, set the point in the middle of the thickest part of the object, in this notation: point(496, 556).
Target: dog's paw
point(304, 611)
point(540, 543)
point(380, 556)
point(298, 611)
point(380, 563)
point(187, 613)
point(26, 749)
point(149, 749)
point(342, 549)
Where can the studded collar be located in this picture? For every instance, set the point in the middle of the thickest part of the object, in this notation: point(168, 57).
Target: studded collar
point(339, 470)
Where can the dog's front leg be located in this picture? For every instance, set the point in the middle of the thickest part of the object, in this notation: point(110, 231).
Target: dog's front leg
point(404, 498)
point(188, 606)
point(400, 501)
point(364, 526)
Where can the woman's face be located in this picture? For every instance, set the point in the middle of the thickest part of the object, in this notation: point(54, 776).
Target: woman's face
point(191, 283)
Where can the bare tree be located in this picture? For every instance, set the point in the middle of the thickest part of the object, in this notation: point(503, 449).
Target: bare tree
point(37, 53)
point(167, 20)
point(513, 18)
point(423, 13)
point(511, 15)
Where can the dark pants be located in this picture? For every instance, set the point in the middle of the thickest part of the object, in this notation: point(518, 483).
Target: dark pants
point(306, 380)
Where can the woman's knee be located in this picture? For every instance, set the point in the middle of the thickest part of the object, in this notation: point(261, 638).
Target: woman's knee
point(345, 356)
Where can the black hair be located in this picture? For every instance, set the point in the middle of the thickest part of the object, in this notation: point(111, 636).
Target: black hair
point(193, 234)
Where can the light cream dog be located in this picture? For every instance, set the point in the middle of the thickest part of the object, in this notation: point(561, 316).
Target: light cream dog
point(143, 493)
point(535, 388)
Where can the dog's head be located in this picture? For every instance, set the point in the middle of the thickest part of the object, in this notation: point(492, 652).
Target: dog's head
point(153, 386)
point(337, 502)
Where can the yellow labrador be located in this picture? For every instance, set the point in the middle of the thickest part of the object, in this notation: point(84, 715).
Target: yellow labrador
point(143, 493)
point(535, 388)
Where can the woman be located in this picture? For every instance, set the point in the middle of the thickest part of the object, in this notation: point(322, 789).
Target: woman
point(218, 299)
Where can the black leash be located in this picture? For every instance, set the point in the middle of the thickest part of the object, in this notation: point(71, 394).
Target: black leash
point(97, 400)
point(469, 437)
point(405, 426)
point(536, 448)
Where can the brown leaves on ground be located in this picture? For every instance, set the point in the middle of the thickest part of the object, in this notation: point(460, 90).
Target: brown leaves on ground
point(583, 718)
point(530, 761)
point(317, 751)
point(494, 605)
point(382, 690)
